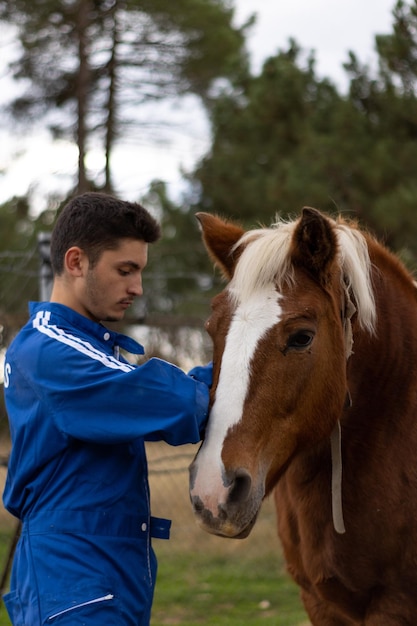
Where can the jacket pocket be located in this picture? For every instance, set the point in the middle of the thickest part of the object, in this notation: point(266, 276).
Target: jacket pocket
point(14, 608)
point(78, 605)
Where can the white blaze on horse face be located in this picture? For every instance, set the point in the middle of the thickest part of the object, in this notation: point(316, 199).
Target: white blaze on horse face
point(250, 321)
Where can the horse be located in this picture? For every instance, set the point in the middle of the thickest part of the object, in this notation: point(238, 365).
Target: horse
point(314, 400)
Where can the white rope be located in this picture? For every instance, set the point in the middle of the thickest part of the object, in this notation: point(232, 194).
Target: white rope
point(337, 509)
point(336, 436)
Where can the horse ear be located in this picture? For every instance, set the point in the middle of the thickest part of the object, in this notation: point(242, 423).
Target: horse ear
point(219, 238)
point(314, 243)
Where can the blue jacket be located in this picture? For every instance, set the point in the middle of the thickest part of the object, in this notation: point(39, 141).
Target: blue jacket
point(77, 478)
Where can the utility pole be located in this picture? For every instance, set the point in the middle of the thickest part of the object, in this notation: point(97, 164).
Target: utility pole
point(45, 268)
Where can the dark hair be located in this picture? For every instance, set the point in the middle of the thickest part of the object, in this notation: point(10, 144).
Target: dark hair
point(96, 222)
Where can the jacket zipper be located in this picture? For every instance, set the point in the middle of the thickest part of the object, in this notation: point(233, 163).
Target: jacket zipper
point(109, 596)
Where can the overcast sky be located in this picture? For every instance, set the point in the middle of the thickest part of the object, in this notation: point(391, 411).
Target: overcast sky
point(329, 27)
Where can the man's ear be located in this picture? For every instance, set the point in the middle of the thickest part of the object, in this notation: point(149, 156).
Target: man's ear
point(75, 261)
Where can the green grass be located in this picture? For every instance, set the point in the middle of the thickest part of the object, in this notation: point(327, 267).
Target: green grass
point(5, 539)
point(4, 618)
point(197, 587)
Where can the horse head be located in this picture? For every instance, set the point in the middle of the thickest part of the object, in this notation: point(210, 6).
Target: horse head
point(281, 333)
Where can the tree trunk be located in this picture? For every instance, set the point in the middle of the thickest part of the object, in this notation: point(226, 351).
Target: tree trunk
point(82, 25)
point(110, 129)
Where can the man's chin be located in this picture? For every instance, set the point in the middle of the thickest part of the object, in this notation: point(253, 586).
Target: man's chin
point(114, 318)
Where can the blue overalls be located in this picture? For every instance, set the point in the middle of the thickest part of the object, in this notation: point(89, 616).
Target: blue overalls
point(77, 475)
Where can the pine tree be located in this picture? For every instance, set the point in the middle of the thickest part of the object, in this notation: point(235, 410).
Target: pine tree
point(90, 65)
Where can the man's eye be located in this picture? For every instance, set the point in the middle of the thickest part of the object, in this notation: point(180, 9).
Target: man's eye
point(124, 272)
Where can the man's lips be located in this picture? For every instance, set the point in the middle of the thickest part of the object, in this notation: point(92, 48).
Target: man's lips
point(126, 303)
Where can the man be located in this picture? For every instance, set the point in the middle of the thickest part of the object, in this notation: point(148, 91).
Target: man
point(79, 415)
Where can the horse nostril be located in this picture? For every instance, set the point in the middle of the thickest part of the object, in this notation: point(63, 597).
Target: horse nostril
point(240, 487)
point(197, 504)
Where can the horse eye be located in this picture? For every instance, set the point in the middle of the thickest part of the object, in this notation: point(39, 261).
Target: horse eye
point(300, 340)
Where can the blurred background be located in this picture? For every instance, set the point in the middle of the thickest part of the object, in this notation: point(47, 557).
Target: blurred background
point(250, 109)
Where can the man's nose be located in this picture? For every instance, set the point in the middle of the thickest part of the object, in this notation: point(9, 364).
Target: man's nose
point(135, 287)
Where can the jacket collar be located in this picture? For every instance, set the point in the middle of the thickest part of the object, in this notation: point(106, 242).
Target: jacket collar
point(84, 324)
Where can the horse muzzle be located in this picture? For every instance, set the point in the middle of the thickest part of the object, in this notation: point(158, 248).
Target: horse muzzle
point(231, 508)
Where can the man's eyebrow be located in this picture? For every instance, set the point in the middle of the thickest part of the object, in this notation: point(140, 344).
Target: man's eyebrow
point(131, 264)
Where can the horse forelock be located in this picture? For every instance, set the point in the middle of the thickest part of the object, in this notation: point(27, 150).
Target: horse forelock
point(266, 259)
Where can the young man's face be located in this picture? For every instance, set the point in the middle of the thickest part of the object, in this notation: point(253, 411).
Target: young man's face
point(107, 290)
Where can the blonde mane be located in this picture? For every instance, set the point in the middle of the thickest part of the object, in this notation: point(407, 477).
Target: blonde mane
point(266, 259)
